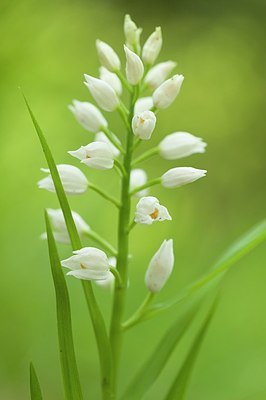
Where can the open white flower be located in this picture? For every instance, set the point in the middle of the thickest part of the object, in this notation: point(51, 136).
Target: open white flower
point(157, 74)
point(138, 177)
point(166, 93)
point(149, 210)
point(143, 104)
point(180, 144)
point(132, 33)
point(108, 283)
point(160, 267)
point(143, 124)
point(73, 180)
point(134, 67)
point(112, 80)
point(107, 56)
point(59, 227)
point(152, 46)
point(88, 115)
point(180, 176)
point(101, 137)
point(96, 155)
point(88, 263)
point(102, 92)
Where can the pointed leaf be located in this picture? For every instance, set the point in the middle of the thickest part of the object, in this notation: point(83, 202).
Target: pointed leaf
point(35, 389)
point(71, 227)
point(154, 365)
point(64, 325)
point(240, 248)
point(180, 384)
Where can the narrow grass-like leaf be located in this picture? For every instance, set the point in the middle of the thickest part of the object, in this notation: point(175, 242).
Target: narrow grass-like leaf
point(240, 248)
point(180, 385)
point(35, 389)
point(64, 325)
point(154, 365)
point(71, 227)
point(95, 313)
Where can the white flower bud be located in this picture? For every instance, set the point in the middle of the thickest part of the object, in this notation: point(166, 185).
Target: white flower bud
point(160, 267)
point(96, 155)
point(103, 94)
point(152, 46)
point(134, 67)
point(101, 137)
point(132, 33)
point(112, 80)
point(143, 124)
point(108, 283)
point(143, 104)
point(138, 177)
point(88, 115)
point(73, 180)
point(166, 93)
point(107, 56)
point(180, 176)
point(88, 263)
point(59, 227)
point(180, 144)
point(149, 210)
point(157, 75)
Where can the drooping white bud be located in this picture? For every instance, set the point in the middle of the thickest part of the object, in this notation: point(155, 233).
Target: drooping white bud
point(166, 93)
point(107, 56)
point(152, 46)
point(134, 67)
point(143, 104)
point(73, 180)
point(103, 94)
point(138, 177)
point(132, 34)
point(88, 115)
point(96, 155)
point(180, 144)
point(180, 176)
point(112, 80)
point(59, 227)
point(143, 124)
point(160, 267)
point(108, 283)
point(157, 75)
point(88, 263)
point(149, 210)
point(101, 137)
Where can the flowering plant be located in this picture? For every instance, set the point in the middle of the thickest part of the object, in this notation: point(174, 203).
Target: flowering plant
point(105, 264)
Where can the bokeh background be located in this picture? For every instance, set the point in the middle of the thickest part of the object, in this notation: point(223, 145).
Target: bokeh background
point(220, 48)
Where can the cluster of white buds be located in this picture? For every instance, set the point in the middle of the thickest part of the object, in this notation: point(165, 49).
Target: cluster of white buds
point(140, 75)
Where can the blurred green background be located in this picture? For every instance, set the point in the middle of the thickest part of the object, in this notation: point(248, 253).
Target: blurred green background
point(220, 49)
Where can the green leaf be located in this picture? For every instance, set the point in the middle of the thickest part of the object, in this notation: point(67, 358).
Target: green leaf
point(95, 313)
point(64, 325)
point(35, 389)
point(240, 248)
point(71, 227)
point(181, 382)
point(154, 365)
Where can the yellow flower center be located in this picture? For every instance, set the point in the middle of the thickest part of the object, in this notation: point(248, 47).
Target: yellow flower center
point(155, 213)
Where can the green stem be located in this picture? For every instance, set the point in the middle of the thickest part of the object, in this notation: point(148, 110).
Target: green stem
point(104, 195)
point(148, 184)
point(106, 245)
point(116, 334)
point(125, 115)
point(136, 317)
point(113, 139)
point(148, 154)
point(131, 226)
point(117, 276)
point(120, 167)
point(124, 81)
